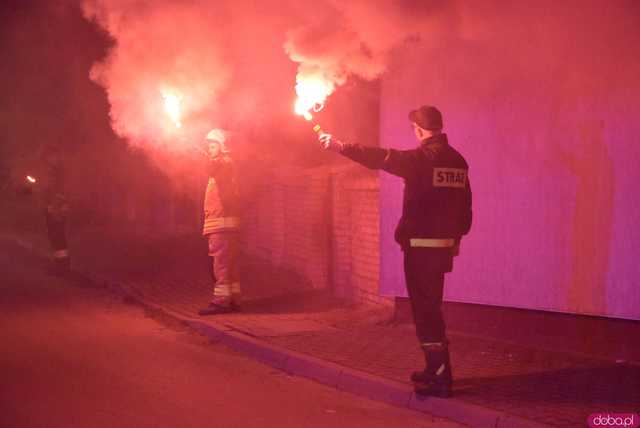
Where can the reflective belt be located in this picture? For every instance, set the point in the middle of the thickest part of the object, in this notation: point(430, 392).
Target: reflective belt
point(213, 224)
point(432, 243)
point(61, 254)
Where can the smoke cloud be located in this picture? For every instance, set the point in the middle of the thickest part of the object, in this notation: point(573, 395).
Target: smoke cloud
point(153, 58)
point(233, 64)
point(339, 39)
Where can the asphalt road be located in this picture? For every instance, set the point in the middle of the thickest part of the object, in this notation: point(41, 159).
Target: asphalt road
point(76, 355)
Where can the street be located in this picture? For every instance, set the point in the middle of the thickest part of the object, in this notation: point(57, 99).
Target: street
point(77, 355)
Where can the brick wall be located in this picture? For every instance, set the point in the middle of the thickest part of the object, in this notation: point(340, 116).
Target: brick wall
point(286, 224)
point(322, 223)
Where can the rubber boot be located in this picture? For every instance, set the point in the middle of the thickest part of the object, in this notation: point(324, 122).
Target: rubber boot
point(60, 266)
point(436, 379)
point(221, 302)
point(218, 305)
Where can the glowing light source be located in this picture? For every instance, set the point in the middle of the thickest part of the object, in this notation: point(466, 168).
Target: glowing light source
point(30, 179)
point(173, 107)
point(312, 93)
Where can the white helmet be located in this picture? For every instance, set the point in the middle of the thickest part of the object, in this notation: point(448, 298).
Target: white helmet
point(218, 135)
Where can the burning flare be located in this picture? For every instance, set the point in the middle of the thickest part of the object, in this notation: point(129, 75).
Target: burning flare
point(173, 107)
point(312, 93)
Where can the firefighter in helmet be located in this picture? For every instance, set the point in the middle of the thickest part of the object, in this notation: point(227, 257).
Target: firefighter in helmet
point(221, 224)
point(436, 213)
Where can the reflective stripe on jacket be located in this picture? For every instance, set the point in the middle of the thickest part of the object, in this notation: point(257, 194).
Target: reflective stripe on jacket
point(217, 224)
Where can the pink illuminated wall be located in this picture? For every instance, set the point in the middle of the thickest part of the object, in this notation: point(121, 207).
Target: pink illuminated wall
point(544, 102)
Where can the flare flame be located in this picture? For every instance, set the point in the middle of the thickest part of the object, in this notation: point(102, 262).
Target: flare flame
point(173, 107)
point(312, 93)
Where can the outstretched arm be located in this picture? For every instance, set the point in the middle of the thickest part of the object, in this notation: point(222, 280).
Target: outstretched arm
point(403, 163)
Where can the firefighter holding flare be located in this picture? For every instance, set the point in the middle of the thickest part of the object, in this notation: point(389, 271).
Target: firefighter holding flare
point(221, 223)
point(436, 213)
point(49, 187)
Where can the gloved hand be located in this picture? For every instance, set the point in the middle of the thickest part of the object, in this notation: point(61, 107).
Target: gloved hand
point(328, 142)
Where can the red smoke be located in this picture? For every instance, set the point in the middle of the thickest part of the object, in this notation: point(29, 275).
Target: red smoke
point(338, 39)
point(153, 56)
point(225, 60)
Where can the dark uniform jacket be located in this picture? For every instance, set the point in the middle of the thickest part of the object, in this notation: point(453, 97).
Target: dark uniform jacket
point(221, 206)
point(437, 192)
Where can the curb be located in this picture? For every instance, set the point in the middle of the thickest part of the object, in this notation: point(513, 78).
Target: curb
point(342, 378)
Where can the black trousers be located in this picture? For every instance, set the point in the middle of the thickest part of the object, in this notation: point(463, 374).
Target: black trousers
point(424, 270)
